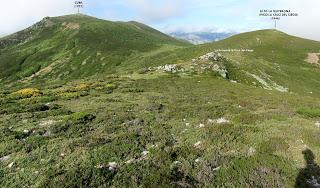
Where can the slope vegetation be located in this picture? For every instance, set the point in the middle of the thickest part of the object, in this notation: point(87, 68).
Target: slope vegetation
point(76, 46)
point(268, 59)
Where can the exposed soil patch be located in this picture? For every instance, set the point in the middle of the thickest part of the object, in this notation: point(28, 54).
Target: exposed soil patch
point(313, 58)
point(72, 26)
point(44, 71)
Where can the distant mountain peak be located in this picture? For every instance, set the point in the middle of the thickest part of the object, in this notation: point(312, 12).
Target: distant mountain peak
point(201, 37)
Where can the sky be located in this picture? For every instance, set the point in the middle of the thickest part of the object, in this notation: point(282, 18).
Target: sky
point(172, 15)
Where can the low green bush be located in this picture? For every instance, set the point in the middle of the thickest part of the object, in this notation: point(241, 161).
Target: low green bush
point(81, 117)
point(309, 112)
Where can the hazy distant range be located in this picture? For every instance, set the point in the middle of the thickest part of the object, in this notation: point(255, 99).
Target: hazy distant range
point(201, 37)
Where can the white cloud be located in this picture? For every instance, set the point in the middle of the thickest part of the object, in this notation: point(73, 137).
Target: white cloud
point(156, 11)
point(18, 14)
point(307, 23)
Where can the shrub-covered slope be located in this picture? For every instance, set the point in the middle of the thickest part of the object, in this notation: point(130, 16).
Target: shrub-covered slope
point(76, 46)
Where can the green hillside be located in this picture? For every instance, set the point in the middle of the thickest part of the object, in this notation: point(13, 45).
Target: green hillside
point(91, 103)
point(277, 61)
point(76, 46)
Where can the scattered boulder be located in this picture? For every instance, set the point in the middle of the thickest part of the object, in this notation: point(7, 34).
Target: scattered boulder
point(26, 131)
point(219, 121)
point(197, 144)
point(233, 81)
point(11, 165)
point(221, 70)
point(201, 125)
point(184, 130)
point(47, 133)
point(213, 56)
point(172, 68)
point(198, 160)
point(222, 121)
point(130, 161)
point(317, 124)
point(314, 182)
point(145, 153)
point(251, 151)
point(210, 121)
point(217, 168)
point(135, 122)
point(47, 123)
point(4, 158)
point(112, 166)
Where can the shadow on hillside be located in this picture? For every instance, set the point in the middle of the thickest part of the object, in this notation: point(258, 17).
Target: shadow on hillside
point(310, 175)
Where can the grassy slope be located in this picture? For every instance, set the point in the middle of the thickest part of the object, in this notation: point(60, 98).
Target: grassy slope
point(276, 54)
point(77, 46)
point(66, 134)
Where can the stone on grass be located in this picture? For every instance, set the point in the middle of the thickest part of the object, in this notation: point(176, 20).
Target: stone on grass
point(47, 123)
point(11, 165)
point(251, 151)
point(184, 130)
point(4, 158)
point(112, 166)
point(201, 125)
point(222, 121)
point(314, 182)
point(197, 144)
point(145, 153)
point(47, 133)
point(26, 131)
point(198, 160)
point(317, 124)
point(218, 121)
point(135, 122)
point(210, 120)
point(130, 161)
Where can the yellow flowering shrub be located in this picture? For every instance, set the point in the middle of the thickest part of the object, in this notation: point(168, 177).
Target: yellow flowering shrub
point(82, 87)
point(27, 93)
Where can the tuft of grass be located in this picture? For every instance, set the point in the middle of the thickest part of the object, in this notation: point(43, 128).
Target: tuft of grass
point(309, 112)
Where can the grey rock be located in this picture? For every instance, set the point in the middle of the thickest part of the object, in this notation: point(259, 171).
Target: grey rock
point(135, 122)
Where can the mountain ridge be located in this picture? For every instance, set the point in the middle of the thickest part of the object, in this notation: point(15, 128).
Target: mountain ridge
point(91, 103)
point(98, 46)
